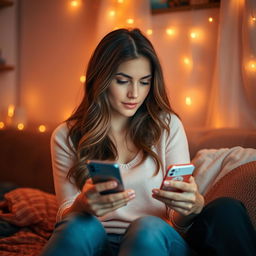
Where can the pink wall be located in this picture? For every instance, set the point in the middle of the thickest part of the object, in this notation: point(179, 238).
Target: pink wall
point(194, 79)
point(8, 47)
point(56, 42)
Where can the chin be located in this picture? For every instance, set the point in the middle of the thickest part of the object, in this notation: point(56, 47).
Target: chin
point(128, 113)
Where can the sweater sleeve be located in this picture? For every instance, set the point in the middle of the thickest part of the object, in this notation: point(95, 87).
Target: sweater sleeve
point(63, 158)
point(176, 151)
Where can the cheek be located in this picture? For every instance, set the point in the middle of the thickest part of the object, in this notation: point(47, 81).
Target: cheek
point(114, 94)
point(146, 92)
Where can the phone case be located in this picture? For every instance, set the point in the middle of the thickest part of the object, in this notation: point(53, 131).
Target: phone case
point(179, 172)
point(102, 172)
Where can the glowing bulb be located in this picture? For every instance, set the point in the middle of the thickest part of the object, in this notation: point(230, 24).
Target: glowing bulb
point(188, 101)
point(2, 125)
point(112, 13)
point(149, 32)
point(120, 1)
point(252, 20)
point(130, 21)
point(170, 31)
point(74, 3)
point(193, 35)
point(82, 79)
point(186, 61)
point(252, 66)
point(11, 109)
point(20, 126)
point(210, 19)
point(41, 128)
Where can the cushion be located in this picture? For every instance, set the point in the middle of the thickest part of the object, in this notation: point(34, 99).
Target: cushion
point(27, 207)
point(238, 184)
point(34, 211)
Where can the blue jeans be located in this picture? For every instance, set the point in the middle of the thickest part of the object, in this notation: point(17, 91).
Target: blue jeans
point(83, 234)
point(222, 228)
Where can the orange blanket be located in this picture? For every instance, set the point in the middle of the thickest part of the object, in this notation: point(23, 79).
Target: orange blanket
point(35, 212)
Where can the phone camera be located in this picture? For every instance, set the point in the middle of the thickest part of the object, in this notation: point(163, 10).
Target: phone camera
point(92, 168)
point(172, 172)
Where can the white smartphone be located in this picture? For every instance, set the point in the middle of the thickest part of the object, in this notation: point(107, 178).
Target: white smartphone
point(103, 171)
point(179, 172)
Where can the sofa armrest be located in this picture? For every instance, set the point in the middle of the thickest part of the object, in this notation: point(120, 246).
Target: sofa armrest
point(239, 184)
point(25, 159)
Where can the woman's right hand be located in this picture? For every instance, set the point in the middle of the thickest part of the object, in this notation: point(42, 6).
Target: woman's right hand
point(91, 201)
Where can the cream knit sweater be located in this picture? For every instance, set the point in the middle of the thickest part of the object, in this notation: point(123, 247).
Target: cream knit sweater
point(172, 149)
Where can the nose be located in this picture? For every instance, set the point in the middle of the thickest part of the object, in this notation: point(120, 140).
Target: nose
point(133, 91)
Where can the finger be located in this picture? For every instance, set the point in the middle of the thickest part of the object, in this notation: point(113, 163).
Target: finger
point(118, 196)
point(93, 190)
point(89, 181)
point(176, 196)
point(108, 201)
point(181, 207)
point(191, 179)
point(102, 212)
point(181, 211)
point(112, 205)
point(173, 203)
point(103, 186)
point(183, 186)
point(89, 190)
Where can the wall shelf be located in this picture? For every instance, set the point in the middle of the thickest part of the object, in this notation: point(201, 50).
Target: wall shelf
point(5, 3)
point(6, 68)
point(185, 8)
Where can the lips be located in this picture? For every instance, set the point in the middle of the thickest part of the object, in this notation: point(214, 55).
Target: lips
point(130, 105)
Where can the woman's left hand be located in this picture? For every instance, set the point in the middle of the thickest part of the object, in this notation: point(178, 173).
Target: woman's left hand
point(188, 201)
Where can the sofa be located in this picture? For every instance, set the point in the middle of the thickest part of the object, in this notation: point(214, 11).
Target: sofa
point(26, 183)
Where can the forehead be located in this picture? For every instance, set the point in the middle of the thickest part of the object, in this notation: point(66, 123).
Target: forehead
point(138, 67)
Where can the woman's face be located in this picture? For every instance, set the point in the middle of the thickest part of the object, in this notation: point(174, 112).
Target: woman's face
point(130, 87)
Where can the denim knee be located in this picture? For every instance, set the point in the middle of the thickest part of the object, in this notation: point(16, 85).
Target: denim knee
point(79, 234)
point(151, 229)
point(151, 235)
point(152, 223)
point(79, 226)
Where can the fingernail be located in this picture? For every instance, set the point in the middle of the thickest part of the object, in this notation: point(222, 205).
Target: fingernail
point(155, 191)
point(113, 184)
point(166, 182)
point(132, 196)
point(131, 192)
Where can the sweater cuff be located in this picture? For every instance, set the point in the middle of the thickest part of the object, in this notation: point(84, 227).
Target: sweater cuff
point(66, 204)
point(181, 229)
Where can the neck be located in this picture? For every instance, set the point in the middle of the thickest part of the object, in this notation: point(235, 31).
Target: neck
point(119, 125)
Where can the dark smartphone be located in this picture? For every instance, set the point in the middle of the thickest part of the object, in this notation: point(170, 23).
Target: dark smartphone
point(179, 172)
point(103, 171)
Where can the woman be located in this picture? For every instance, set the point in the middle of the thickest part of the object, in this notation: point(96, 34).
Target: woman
point(125, 116)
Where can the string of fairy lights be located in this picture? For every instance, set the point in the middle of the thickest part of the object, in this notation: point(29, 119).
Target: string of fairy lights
point(169, 31)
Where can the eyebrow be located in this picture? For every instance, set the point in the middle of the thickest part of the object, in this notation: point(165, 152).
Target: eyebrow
point(125, 75)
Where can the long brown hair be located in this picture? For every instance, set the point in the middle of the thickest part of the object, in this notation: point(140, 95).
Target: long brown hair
point(89, 125)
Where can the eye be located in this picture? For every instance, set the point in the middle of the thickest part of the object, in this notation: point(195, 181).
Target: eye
point(121, 81)
point(145, 82)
